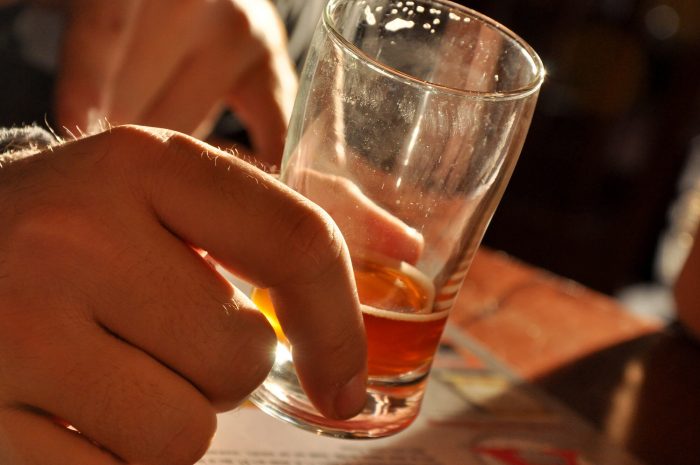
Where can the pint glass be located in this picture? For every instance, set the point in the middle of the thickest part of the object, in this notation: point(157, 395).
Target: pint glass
point(409, 121)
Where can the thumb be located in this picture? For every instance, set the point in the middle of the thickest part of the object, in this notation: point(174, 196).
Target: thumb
point(366, 227)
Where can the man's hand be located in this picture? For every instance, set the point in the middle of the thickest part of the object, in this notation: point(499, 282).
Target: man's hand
point(176, 64)
point(112, 322)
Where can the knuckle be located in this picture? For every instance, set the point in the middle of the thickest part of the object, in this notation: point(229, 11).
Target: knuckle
point(241, 16)
point(127, 146)
point(190, 441)
point(268, 15)
point(139, 140)
point(149, 156)
point(261, 23)
point(179, 153)
point(313, 243)
point(245, 362)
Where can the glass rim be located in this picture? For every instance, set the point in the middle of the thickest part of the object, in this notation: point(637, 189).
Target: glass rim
point(520, 92)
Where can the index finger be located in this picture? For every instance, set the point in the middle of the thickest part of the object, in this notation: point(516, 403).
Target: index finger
point(273, 237)
point(263, 95)
point(263, 99)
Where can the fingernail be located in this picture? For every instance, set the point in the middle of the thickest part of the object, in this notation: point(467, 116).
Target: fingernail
point(352, 397)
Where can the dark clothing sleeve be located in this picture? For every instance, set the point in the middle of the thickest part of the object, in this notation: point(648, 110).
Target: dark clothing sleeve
point(24, 138)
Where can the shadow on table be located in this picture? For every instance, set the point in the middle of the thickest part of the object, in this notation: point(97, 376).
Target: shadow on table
point(644, 394)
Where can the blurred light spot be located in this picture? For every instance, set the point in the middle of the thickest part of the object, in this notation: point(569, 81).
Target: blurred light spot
point(369, 17)
point(282, 353)
point(398, 23)
point(662, 22)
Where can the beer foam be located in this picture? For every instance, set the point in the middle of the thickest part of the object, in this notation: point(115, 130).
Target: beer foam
point(399, 316)
point(405, 268)
point(423, 281)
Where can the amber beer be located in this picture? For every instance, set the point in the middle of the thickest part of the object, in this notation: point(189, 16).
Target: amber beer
point(397, 302)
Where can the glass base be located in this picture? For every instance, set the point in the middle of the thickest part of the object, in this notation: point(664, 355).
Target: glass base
point(391, 406)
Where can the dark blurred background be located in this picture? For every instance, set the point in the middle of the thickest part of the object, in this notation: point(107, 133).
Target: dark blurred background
point(610, 136)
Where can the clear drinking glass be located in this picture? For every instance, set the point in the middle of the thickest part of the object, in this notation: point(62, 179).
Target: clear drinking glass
point(410, 118)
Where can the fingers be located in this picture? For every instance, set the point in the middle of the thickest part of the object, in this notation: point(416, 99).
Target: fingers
point(113, 393)
point(174, 64)
point(94, 44)
point(199, 85)
point(263, 98)
point(234, 62)
point(195, 323)
point(329, 353)
point(126, 333)
point(117, 56)
point(273, 237)
point(263, 93)
point(136, 279)
point(29, 438)
point(163, 35)
point(132, 338)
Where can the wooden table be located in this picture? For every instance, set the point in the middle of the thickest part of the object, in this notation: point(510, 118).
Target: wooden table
point(635, 380)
